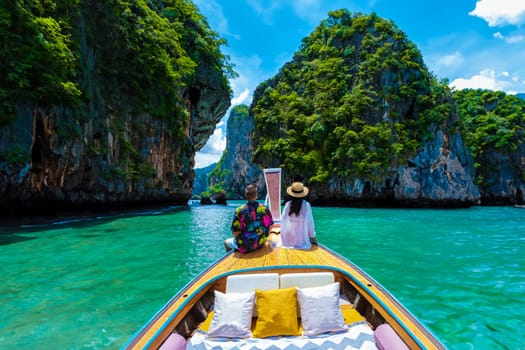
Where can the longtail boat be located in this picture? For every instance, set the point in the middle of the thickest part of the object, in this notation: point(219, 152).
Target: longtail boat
point(372, 318)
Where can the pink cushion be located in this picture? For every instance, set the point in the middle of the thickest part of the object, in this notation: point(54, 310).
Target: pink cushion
point(174, 342)
point(387, 339)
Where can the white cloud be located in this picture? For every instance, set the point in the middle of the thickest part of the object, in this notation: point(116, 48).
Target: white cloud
point(214, 147)
point(454, 59)
point(266, 8)
point(250, 75)
point(500, 12)
point(202, 160)
point(242, 98)
point(215, 16)
point(212, 150)
point(498, 35)
point(217, 141)
point(309, 10)
point(515, 39)
point(509, 40)
point(486, 79)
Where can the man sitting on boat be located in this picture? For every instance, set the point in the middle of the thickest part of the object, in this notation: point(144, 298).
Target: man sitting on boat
point(251, 224)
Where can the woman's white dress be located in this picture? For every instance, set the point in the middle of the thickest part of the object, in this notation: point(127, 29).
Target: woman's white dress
point(296, 230)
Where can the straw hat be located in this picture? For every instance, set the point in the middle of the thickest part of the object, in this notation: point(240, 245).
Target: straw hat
point(297, 190)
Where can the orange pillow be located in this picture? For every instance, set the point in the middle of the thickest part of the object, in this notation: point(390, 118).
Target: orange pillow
point(277, 309)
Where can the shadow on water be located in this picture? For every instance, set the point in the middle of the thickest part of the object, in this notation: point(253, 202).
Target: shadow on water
point(6, 239)
point(12, 230)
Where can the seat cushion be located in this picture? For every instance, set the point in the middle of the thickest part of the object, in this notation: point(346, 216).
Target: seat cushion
point(277, 312)
point(306, 279)
point(232, 315)
point(249, 282)
point(320, 309)
point(387, 339)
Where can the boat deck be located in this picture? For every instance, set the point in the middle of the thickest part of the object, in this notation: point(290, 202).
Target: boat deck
point(273, 258)
point(279, 256)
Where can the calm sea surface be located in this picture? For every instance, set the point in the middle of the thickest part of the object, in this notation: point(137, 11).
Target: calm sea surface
point(92, 283)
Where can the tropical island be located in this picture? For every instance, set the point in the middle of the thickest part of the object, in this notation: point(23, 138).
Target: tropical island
point(106, 104)
point(358, 115)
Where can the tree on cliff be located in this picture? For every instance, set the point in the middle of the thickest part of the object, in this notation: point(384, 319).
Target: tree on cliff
point(493, 125)
point(235, 170)
point(146, 50)
point(121, 93)
point(37, 56)
point(356, 103)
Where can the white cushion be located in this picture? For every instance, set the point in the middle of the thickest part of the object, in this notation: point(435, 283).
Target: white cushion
point(306, 279)
point(232, 316)
point(320, 309)
point(248, 283)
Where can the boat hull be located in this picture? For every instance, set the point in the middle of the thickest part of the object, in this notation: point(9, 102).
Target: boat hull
point(189, 306)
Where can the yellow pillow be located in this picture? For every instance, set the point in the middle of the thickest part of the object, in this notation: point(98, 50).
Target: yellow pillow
point(351, 315)
point(205, 325)
point(277, 309)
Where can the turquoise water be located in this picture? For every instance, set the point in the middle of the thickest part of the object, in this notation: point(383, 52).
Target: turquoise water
point(90, 284)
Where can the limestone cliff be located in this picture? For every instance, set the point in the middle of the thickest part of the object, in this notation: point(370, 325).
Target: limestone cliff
point(146, 100)
point(492, 125)
point(235, 169)
point(357, 115)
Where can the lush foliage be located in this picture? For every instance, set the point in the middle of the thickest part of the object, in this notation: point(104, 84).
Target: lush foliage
point(355, 100)
point(37, 56)
point(221, 177)
point(493, 123)
point(140, 52)
point(108, 64)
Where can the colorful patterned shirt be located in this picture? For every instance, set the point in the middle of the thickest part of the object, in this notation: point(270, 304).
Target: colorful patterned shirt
point(252, 222)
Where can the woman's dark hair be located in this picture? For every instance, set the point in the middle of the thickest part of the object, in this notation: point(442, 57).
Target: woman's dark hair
point(295, 206)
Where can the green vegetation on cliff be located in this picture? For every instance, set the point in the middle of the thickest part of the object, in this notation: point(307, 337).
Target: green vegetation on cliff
point(493, 123)
point(142, 51)
point(355, 101)
point(221, 178)
point(37, 55)
point(110, 73)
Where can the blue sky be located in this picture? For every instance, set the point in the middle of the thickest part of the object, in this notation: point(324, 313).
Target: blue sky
point(472, 43)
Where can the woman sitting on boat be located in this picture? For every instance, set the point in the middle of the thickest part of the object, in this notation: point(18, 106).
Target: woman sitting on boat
point(251, 224)
point(297, 222)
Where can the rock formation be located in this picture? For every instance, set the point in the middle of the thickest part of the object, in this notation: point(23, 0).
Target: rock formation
point(130, 136)
point(492, 125)
point(358, 115)
point(200, 183)
point(235, 169)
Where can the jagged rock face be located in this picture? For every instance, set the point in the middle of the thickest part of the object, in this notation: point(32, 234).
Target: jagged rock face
point(437, 176)
point(440, 174)
point(90, 167)
point(492, 123)
point(236, 168)
point(505, 184)
point(105, 152)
